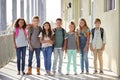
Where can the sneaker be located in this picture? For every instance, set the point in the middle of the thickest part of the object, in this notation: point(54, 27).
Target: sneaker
point(95, 72)
point(75, 74)
point(23, 73)
point(60, 74)
point(18, 73)
point(54, 73)
point(101, 72)
point(82, 72)
point(46, 74)
point(87, 72)
point(67, 74)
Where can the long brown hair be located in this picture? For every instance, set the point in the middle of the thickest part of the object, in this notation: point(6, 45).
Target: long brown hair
point(84, 28)
point(49, 30)
point(16, 23)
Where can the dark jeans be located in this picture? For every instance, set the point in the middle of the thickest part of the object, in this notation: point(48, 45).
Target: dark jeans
point(37, 52)
point(21, 53)
point(47, 52)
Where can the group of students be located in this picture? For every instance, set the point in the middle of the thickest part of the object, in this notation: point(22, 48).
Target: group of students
point(58, 40)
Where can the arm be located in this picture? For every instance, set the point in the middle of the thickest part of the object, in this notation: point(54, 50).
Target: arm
point(87, 42)
point(91, 47)
point(104, 41)
point(14, 40)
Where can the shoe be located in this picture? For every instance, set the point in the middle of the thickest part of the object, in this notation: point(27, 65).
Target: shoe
point(54, 73)
point(29, 71)
point(60, 74)
point(38, 71)
point(101, 72)
point(75, 74)
point(82, 72)
point(87, 72)
point(67, 74)
point(18, 73)
point(49, 73)
point(23, 73)
point(95, 72)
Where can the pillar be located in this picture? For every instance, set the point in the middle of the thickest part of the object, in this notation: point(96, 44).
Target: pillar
point(28, 11)
point(22, 8)
point(2, 15)
point(14, 10)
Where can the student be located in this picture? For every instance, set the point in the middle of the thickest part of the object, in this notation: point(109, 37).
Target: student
point(34, 44)
point(84, 37)
point(72, 46)
point(20, 43)
point(97, 44)
point(58, 46)
point(46, 38)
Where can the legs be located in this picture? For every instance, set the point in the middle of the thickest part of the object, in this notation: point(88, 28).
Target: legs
point(21, 52)
point(74, 60)
point(98, 54)
point(47, 52)
point(55, 59)
point(37, 51)
point(60, 60)
point(84, 60)
point(100, 57)
point(69, 53)
point(18, 53)
point(23, 58)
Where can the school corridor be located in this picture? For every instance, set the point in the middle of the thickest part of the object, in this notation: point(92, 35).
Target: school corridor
point(69, 10)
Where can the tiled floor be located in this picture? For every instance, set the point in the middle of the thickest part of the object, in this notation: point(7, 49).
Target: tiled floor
point(9, 72)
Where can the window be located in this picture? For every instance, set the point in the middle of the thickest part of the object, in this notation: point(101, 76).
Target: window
point(109, 5)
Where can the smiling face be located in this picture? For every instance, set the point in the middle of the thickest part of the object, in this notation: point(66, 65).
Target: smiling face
point(46, 27)
point(81, 23)
point(71, 27)
point(35, 22)
point(58, 23)
point(21, 23)
point(97, 24)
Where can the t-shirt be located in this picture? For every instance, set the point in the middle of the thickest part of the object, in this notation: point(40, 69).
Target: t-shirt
point(44, 45)
point(34, 37)
point(71, 41)
point(21, 39)
point(59, 38)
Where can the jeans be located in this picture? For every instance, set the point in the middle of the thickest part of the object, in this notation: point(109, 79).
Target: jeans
point(71, 54)
point(47, 52)
point(57, 54)
point(21, 52)
point(84, 60)
point(37, 52)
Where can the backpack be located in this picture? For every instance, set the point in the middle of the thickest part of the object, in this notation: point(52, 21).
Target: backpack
point(31, 31)
point(17, 32)
point(101, 30)
point(63, 35)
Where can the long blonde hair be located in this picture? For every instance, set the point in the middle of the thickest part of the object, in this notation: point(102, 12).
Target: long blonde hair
point(84, 28)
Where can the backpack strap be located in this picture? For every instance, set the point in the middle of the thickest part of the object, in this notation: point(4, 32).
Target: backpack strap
point(93, 30)
point(101, 30)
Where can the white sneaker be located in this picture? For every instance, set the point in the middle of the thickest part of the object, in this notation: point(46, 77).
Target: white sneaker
point(60, 74)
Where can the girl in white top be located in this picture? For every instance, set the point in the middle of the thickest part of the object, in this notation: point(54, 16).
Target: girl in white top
point(46, 39)
point(20, 43)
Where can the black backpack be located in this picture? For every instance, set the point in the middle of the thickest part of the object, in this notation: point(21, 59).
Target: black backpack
point(101, 30)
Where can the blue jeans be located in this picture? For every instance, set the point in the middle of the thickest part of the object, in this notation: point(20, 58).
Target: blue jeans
point(84, 60)
point(37, 52)
point(47, 52)
point(21, 51)
point(57, 54)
